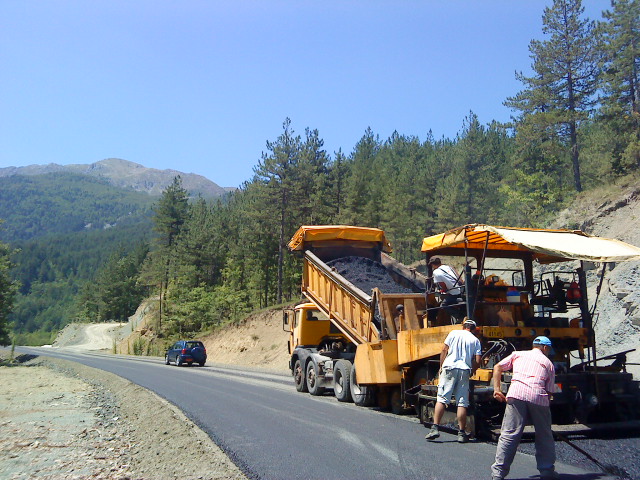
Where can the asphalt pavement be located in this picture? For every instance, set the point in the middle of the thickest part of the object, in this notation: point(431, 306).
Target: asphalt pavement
point(273, 432)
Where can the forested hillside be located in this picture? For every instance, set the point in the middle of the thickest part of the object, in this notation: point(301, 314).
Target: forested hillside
point(60, 203)
point(63, 229)
point(576, 125)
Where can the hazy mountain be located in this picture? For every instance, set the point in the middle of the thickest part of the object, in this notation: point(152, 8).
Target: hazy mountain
point(125, 174)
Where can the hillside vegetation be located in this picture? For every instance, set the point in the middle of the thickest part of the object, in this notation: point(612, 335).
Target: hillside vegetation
point(576, 127)
point(62, 203)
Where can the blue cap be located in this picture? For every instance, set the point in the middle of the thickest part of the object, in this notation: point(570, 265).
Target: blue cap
point(542, 341)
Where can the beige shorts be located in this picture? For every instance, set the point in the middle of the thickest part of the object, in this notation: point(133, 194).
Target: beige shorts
point(454, 382)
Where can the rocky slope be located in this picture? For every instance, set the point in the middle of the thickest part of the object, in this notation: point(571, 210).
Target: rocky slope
point(613, 212)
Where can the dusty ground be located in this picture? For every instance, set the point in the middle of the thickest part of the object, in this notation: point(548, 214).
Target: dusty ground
point(258, 341)
point(61, 421)
point(75, 422)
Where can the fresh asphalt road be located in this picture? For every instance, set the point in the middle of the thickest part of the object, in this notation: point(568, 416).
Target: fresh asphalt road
point(273, 432)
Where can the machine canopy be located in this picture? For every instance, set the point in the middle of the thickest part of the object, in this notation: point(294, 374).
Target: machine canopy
point(315, 233)
point(547, 246)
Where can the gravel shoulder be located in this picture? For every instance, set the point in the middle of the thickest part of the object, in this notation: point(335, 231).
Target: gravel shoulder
point(62, 420)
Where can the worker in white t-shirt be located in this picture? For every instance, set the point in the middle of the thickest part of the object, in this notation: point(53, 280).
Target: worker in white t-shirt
point(459, 359)
point(450, 285)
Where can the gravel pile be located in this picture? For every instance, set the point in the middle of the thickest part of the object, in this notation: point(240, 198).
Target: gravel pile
point(366, 274)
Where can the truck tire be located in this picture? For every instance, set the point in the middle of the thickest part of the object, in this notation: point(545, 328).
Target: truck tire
point(362, 395)
point(395, 401)
point(313, 383)
point(299, 377)
point(342, 381)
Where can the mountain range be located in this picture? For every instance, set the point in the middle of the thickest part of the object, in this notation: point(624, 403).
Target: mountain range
point(129, 175)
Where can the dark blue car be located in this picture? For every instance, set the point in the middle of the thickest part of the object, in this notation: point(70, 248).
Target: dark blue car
point(186, 352)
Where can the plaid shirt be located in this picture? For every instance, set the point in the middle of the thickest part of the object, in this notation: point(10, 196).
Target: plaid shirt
point(533, 376)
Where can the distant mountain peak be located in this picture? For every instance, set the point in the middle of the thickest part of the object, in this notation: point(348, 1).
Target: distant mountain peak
point(125, 174)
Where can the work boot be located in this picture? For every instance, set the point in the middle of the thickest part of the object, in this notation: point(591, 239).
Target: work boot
point(549, 475)
point(463, 437)
point(433, 433)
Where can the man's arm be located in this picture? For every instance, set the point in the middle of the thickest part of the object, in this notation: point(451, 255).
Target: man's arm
point(443, 354)
point(497, 378)
point(550, 385)
point(475, 363)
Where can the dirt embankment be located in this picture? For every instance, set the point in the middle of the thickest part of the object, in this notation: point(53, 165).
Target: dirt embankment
point(64, 421)
point(257, 341)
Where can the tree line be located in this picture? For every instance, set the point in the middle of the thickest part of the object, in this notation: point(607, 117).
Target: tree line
point(576, 124)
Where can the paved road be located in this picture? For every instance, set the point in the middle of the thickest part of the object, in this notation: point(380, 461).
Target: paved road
point(273, 432)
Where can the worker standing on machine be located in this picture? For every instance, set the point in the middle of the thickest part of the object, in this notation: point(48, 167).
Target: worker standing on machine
point(450, 285)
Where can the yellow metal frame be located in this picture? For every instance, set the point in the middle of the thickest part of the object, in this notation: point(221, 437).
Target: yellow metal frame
point(326, 233)
point(353, 317)
point(377, 364)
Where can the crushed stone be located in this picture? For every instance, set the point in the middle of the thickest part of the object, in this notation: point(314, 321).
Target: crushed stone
point(367, 274)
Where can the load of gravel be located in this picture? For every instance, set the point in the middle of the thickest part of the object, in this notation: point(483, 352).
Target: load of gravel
point(366, 274)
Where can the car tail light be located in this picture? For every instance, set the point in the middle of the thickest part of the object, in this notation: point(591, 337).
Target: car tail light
point(184, 351)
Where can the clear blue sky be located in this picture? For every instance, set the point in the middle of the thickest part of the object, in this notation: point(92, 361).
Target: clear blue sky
point(200, 85)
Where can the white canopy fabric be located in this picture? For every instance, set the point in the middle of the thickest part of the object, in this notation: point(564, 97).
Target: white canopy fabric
point(567, 244)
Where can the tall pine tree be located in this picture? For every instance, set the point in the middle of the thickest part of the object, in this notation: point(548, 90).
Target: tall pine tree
point(561, 93)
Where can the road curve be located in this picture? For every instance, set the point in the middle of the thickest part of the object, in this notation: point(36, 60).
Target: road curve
point(273, 432)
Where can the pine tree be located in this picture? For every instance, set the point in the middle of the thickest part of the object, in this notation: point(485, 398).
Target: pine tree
point(171, 212)
point(561, 93)
point(621, 81)
point(279, 171)
point(8, 290)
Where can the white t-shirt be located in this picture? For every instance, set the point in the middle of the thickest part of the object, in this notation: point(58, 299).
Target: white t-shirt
point(463, 346)
point(447, 275)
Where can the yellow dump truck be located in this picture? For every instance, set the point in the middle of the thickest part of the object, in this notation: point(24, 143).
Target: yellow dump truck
point(372, 328)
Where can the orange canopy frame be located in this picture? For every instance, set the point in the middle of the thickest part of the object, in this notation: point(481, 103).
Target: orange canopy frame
point(546, 246)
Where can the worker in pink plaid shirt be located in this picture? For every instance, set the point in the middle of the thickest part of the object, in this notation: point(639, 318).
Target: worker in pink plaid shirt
point(527, 400)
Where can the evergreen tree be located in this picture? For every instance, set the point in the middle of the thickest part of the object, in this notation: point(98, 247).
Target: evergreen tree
point(360, 201)
point(8, 290)
point(171, 212)
point(280, 173)
point(561, 93)
point(621, 82)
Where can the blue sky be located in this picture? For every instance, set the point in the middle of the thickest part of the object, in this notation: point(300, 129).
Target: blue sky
point(200, 86)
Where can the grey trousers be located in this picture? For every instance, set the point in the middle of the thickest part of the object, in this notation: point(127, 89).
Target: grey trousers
point(518, 414)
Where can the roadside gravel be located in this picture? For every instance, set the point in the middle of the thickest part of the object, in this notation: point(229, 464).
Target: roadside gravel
point(62, 420)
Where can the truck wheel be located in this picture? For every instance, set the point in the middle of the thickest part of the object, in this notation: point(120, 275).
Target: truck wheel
point(341, 381)
point(299, 377)
point(313, 382)
point(395, 401)
point(362, 395)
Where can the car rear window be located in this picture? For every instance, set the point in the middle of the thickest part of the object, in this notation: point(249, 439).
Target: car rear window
point(194, 344)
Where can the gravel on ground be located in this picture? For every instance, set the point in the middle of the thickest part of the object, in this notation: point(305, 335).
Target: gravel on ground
point(62, 420)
